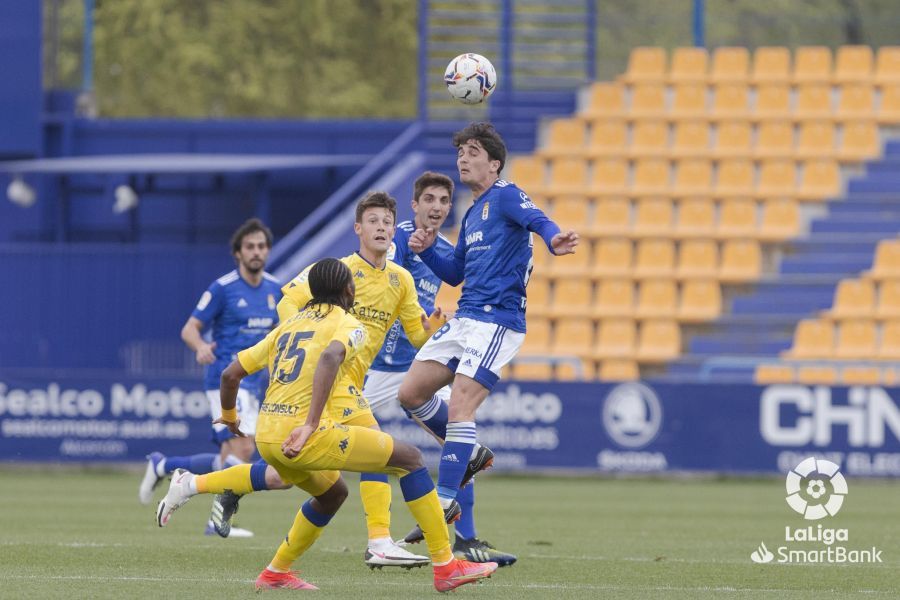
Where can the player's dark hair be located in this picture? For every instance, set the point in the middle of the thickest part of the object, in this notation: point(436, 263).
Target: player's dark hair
point(328, 279)
point(250, 226)
point(487, 136)
point(431, 179)
point(376, 200)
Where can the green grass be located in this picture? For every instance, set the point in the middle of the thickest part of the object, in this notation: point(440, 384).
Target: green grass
point(74, 533)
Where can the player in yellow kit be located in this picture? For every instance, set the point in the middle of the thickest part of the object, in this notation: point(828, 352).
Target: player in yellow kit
point(307, 354)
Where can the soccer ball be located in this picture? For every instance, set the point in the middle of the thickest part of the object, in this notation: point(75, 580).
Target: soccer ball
point(470, 78)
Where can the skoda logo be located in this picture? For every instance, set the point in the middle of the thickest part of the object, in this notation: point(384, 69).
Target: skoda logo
point(632, 415)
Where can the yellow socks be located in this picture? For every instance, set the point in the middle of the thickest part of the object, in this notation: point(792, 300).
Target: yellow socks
point(236, 479)
point(308, 526)
point(422, 499)
point(375, 492)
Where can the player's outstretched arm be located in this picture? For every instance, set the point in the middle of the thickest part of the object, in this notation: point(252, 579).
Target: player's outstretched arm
point(450, 270)
point(229, 384)
point(564, 243)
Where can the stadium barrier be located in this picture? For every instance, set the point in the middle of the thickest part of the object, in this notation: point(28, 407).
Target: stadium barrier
point(593, 428)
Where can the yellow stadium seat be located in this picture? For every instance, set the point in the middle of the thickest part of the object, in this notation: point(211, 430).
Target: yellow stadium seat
point(813, 102)
point(730, 65)
point(572, 297)
point(618, 370)
point(651, 177)
point(860, 375)
point(733, 140)
point(817, 140)
point(772, 374)
point(447, 298)
point(890, 377)
point(659, 341)
point(741, 261)
point(615, 298)
point(773, 101)
point(566, 371)
point(857, 101)
point(537, 337)
point(616, 338)
point(887, 67)
point(688, 102)
point(606, 100)
point(649, 139)
point(610, 178)
point(612, 258)
point(737, 219)
point(780, 220)
point(693, 177)
point(654, 217)
point(887, 260)
point(576, 265)
point(853, 298)
point(855, 339)
point(691, 140)
point(655, 258)
point(612, 216)
point(538, 297)
point(812, 339)
point(701, 300)
point(730, 101)
point(688, 65)
point(777, 179)
point(734, 179)
point(860, 141)
point(567, 176)
point(566, 137)
point(647, 101)
point(889, 347)
point(775, 140)
point(888, 306)
point(572, 337)
point(696, 218)
point(698, 259)
point(816, 375)
point(821, 180)
point(541, 258)
point(771, 64)
point(657, 298)
point(571, 212)
point(853, 64)
point(608, 139)
point(529, 173)
point(812, 64)
point(533, 371)
point(646, 64)
point(889, 111)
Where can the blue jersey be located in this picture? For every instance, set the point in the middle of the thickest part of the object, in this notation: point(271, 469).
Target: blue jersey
point(240, 316)
point(397, 353)
point(493, 255)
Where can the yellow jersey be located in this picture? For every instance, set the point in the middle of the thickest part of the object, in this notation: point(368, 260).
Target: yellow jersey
point(382, 296)
point(291, 351)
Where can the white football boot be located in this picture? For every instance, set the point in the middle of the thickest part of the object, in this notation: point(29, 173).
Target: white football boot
point(177, 496)
point(386, 553)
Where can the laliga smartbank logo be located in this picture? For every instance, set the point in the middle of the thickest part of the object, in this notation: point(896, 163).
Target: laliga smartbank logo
point(816, 490)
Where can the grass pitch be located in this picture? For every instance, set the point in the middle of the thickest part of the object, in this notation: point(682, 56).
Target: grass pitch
point(82, 534)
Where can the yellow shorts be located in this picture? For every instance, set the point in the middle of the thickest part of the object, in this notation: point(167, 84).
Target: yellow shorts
point(333, 447)
point(350, 409)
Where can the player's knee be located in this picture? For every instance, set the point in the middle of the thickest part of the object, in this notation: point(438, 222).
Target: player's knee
point(408, 398)
point(406, 456)
point(332, 499)
point(274, 480)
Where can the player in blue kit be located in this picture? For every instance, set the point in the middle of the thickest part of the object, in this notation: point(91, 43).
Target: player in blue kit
point(239, 309)
point(494, 257)
point(432, 200)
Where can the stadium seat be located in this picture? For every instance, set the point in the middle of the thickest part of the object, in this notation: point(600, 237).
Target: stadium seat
point(730, 65)
point(772, 374)
point(616, 338)
point(737, 219)
point(541, 258)
point(886, 264)
point(890, 377)
point(780, 220)
point(654, 217)
point(528, 173)
point(693, 177)
point(853, 298)
point(813, 102)
point(688, 102)
point(813, 339)
point(698, 259)
point(571, 212)
point(730, 101)
point(777, 179)
point(618, 370)
point(889, 111)
point(771, 64)
point(691, 140)
point(612, 258)
point(734, 179)
point(572, 337)
point(860, 142)
point(741, 261)
point(612, 216)
point(689, 65)
point(853, 64)
point(647, 101)
point(860, 375)
point(566, 137)
point(650, 139)
point(816, 375)
point(606, 100)
point(817, 140)
point(567, 176)
point(567, 371)
point(857, 101)
point(538, 297)
point(659, 341)
point(696, 218)
point(773, 101)
point(888, 306)
point(609, 139)
point(646, 64)
point(572, 297)
point(532, 371)
point(821, 180)
point(610, 178)
point(887, 66)
point(733, 140)
point(655, 258)
point(701, 300)
point(615, 298)
point(812, 64)
point(537, 337)
point(889, 347)
point(651, 177)
point(775, 139)
point(855, 339)
point(657, 298)
point(576, 265)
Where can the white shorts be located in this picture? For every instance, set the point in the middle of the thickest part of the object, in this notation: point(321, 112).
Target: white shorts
point(473, 348)
point(247, 409)
point(381, 392)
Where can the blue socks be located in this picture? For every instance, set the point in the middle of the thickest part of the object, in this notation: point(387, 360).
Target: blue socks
point(198, 464)
point(458, 447)
point(465, 526)
point(434, 415)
